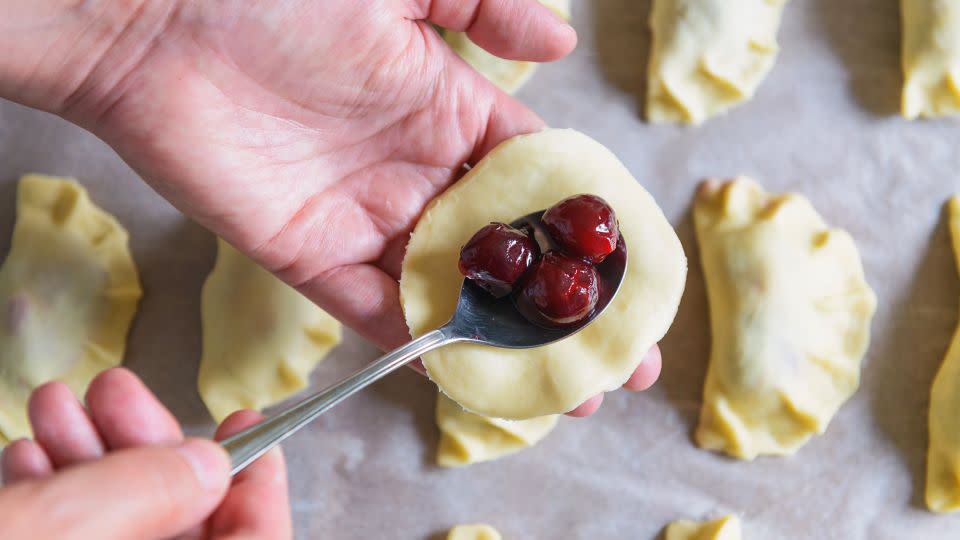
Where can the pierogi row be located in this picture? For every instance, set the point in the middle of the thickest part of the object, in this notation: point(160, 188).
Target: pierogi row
point(708, 56)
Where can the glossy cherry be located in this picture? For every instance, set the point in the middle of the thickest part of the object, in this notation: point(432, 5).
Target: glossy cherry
point(583, 226)
point(559, 290)
point(497, 256)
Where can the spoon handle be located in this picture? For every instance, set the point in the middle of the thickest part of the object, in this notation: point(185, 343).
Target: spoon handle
point(253, 442)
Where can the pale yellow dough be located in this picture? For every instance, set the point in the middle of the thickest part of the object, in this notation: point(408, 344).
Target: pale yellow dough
point(931, 57)
point(790, 315)
point(943, 457)
point(522, 175)
point(68, 293)
point(261, 338)
point(725, 528)
point(509, 75)
point(473, 532)
point(467, 438)
point(708, 55)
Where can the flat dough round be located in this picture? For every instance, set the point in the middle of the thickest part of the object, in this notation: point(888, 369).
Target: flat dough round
point(68, 293)
point(520, 176)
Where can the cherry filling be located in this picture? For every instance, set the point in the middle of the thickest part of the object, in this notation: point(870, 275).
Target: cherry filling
point(559, 290)
point(497, 256)
point(583, 226)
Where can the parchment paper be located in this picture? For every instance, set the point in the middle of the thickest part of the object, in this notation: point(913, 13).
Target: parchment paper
point(824, 123)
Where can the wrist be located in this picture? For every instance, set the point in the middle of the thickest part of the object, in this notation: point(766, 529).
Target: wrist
point(55, 49)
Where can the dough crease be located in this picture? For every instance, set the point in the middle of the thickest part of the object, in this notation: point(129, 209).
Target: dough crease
point(790, 314)
point(708, 56)
point(69, 290)
point(509, 75)
point(943, 455)
point(931, 58)
point(467, 438)
point(261, 338)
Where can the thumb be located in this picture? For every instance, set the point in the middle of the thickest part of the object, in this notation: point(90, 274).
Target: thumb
point(142, 493)
point(512, 29)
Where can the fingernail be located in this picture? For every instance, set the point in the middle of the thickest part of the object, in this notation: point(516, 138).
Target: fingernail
point(207, 461)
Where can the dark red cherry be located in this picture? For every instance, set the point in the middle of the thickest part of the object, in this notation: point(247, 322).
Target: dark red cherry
point(497, 256)
point(558, 291)
point(583, 226)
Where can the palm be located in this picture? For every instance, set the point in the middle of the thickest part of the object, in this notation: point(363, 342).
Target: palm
point(308, 133)
point(314, 153)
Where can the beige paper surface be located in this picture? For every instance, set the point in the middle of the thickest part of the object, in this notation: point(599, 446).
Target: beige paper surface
point(825, 123)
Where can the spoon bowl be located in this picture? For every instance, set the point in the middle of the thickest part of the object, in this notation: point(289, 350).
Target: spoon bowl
point(479, 318)
point(482, 318)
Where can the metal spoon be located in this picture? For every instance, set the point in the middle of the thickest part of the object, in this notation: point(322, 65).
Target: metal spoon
point(480, 318)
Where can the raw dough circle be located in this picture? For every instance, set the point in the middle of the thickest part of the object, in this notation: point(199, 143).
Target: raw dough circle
point(522, 175)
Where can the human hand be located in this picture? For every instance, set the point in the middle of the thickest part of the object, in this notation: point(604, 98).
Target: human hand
point(121, 468)
point(310, 134)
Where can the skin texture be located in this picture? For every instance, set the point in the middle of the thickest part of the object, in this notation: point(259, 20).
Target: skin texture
point(312, 151)
point(310, 134)
point(124, 441)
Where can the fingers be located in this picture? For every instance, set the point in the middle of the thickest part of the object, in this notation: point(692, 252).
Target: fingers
point(176, 488)
point(364, 296)
point(24, 460)
point(487, 115)
point(647, 372)
point(126, 412)
point(643, 377)
point(61, 426)
point(257, 505)
point(512, 29)
point(588, 407)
